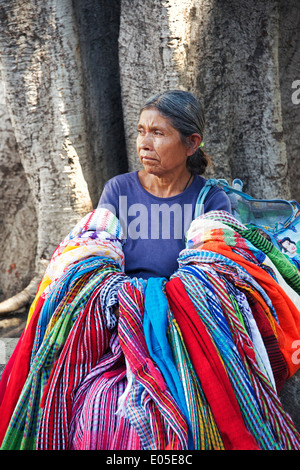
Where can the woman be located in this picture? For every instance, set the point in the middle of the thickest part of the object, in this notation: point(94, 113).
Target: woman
point(155, 205)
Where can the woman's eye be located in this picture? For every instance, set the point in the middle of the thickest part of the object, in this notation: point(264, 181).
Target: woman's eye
point(154, 132)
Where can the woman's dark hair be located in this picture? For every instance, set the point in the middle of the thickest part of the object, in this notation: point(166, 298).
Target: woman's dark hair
point(186, 115)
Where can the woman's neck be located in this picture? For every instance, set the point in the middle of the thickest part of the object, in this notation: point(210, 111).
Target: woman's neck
point(166, 185)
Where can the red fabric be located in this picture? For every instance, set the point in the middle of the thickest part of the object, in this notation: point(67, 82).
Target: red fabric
point(288, 330)
point(18, 370)
point(210, 370)
point(134, 346)
point(277, 361)
point(81, 352)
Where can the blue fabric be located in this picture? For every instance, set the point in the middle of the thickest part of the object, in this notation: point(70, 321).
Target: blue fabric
point(216, 311)
point(243, 385)
point(155, 324)
point(210, 300)
point(57, 292)
point(152, 246)
point(212, 257)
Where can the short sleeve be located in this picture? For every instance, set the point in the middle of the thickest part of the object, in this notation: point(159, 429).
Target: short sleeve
point(217, 200)
point(109, 198)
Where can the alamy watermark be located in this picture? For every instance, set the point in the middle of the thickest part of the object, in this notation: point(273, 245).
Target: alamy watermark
point(156, 221)
point(296, 93)
point(296, 353)
point(7, 346)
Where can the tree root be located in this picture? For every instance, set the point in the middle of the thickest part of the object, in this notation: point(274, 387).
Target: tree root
point(21, 299)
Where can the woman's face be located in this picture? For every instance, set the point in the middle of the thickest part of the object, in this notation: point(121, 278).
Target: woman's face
point(159, 146)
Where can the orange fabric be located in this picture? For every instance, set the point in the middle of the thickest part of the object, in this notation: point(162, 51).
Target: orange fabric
point(288, 330)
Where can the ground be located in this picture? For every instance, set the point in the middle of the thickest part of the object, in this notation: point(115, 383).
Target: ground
point(11, 327)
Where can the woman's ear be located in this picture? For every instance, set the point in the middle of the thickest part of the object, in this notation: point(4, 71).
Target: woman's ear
point(193, 141)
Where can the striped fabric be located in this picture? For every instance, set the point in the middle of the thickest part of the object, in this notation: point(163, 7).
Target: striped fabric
point(155, 325)
point(99, 234)
point(167, 423)
point(210, 370)
point(266, 419)
point(206, 434)
point(83, 349)
point(94, 423)
point(288, 271)
point(22, 431)
point(270, 340)
point(71, 281)
point(253, 235)
point(194, 362)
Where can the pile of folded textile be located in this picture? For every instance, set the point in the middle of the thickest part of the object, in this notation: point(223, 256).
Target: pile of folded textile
point(193, 362)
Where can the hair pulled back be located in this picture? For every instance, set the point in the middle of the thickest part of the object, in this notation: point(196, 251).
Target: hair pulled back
point(186, 115)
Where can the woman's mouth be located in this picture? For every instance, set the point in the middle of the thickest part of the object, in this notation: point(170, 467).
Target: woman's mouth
point(148, 157)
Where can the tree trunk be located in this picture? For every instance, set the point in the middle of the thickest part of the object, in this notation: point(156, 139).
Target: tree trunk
point(74, 69)
point(240, 80)
point(289, 72)
point(227, 54)
point(66, 117)
point(153, 40)
point(98, 26)
point(17, 212)
point(40, 65)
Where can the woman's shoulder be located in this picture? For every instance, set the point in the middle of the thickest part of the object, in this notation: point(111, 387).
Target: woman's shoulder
point(200, 181)
point(122, 180)
point(197, 184)
point(118, 186)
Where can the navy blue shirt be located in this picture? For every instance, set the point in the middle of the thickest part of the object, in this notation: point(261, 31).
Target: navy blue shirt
point(155, 227)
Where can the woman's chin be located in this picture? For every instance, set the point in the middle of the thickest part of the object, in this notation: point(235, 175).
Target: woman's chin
point(150, 165)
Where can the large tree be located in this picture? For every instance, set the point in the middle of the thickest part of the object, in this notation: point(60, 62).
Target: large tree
point(73, 77)
point(61, 126)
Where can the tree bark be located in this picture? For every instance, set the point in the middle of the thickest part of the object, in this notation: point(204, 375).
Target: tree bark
point(289, 73)
point(41, 69)
point(74, 70)
point(98, 25)
point(227, 54)
point(17, 212)
point(155, 55)
point(240, 81)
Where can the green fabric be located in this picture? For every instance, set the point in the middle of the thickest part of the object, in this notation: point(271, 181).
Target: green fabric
point(288, 271)
point(21, 433)
point(205, 432)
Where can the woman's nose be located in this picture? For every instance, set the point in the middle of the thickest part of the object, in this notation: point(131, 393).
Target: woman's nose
point(146, 140)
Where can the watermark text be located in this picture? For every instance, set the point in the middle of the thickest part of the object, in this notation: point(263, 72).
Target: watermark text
point(296, 93)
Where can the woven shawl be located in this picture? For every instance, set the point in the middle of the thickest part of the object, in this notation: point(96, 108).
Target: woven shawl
point(146, 382)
